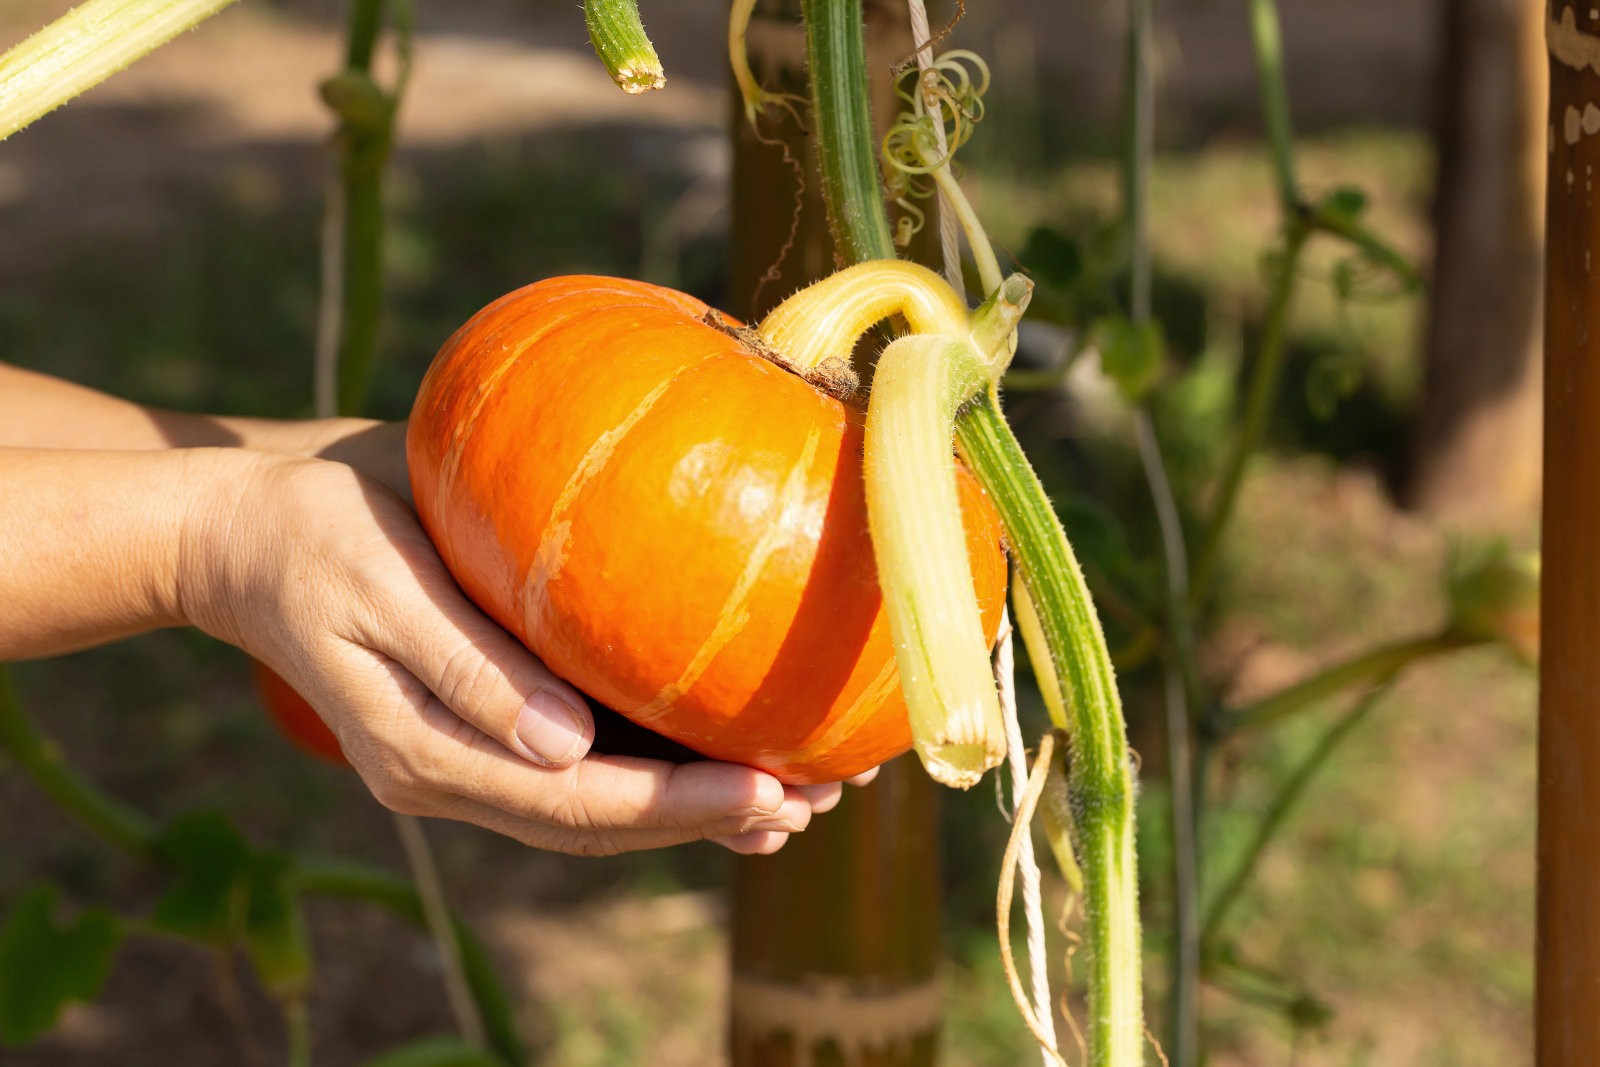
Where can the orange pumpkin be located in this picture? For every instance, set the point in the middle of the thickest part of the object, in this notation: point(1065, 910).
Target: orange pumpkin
point(296, 719)
point(671, 522)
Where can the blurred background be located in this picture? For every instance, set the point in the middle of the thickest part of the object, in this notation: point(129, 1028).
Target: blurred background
point(160, 242)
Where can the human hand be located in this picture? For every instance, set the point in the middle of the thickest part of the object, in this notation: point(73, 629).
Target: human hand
point(326, 577)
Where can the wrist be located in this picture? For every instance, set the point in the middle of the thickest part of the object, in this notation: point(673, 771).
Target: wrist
point(218, 534)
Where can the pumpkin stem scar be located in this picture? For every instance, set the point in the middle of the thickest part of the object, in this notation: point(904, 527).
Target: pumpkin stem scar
point(833, 375)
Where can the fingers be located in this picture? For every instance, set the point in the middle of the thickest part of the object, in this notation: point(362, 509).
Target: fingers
point(864, 778)
point(609, 792)
point(754, 843)
point(486, 677)
point(421, 755)
point(822, 797)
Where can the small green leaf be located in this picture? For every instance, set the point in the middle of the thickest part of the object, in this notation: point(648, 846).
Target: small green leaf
point(209, 860)
point(275, 927)
point(1347, 201)
point(1331, 378)
point(43, 965)
point(1493, 594)
point(436, 1052)
point(357, 99)
point(1130, 354)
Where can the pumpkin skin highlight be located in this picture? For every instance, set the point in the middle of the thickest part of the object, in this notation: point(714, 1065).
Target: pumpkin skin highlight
point(672, 523)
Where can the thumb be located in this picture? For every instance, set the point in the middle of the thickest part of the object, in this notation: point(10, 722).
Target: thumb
point(487, 678)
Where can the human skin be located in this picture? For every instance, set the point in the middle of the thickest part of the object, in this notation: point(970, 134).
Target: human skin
point(294, 541)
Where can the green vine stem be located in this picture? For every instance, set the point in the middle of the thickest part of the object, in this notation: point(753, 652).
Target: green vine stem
point(1261, 393)
point(38, 756)
point(1186, 792)
point(297, 1023)
point(1368, 668)
point(133, 832)
point(84, 47)
point(342, 880)
point(352, 309)
point(1281, 805)
point(836, 54)
point(618, 36)
point(1101, 783)
point(1267, 41)
point(366, 114)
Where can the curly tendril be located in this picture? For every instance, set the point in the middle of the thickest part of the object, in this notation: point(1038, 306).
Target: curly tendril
point(948, 93)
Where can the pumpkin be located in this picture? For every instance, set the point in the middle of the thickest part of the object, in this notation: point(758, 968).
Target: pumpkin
point(672, 522)
point(296, 719)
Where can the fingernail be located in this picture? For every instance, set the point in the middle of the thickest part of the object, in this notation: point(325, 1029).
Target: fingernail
point(553, 731)
point(781, 825)
point(769, 798)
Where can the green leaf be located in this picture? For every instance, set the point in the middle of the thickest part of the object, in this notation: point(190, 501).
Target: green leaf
point(436, 1052)
point(275, 927)
point(209, 860)
point(1331, 378)
point(1347, 201)
point(44, 965)
point(1130, 354)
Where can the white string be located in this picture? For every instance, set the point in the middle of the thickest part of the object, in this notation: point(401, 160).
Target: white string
point(949, 249)
point(1032, 904)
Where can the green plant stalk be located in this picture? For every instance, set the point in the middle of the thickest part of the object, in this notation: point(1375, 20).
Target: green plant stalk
point(1263, 390)
point(1100, 781)
point(366, 135)
point(362, 27)
point(1267, 41)
point(983, 256)
point(83, 48)
point(1370, 667)
point(121, 825)
point(133, 832)
point(1101, 784)
point(297, 1022)
point(618, 36)
point(1281, 805)
point(836, 56)
point(363, 159)
point(1187, 787)
point(1368, 244)
point(1177, 657)
point(342, 880)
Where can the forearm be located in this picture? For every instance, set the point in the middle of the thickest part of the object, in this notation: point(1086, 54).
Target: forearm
point(39, 411)
point(93, 543)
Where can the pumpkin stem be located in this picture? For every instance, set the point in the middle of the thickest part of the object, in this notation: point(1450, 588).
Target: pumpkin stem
point(920, 545)
point(919, 541)
point(825, 319)
point(85, 46)
point(619, 40)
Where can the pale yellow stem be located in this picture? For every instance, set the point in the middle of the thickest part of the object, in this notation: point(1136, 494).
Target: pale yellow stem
point(825, 320)
point(917, 538)
point(84, 47)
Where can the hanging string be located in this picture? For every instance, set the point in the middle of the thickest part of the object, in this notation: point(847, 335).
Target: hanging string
point(949, 247)
point(1032, 900)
